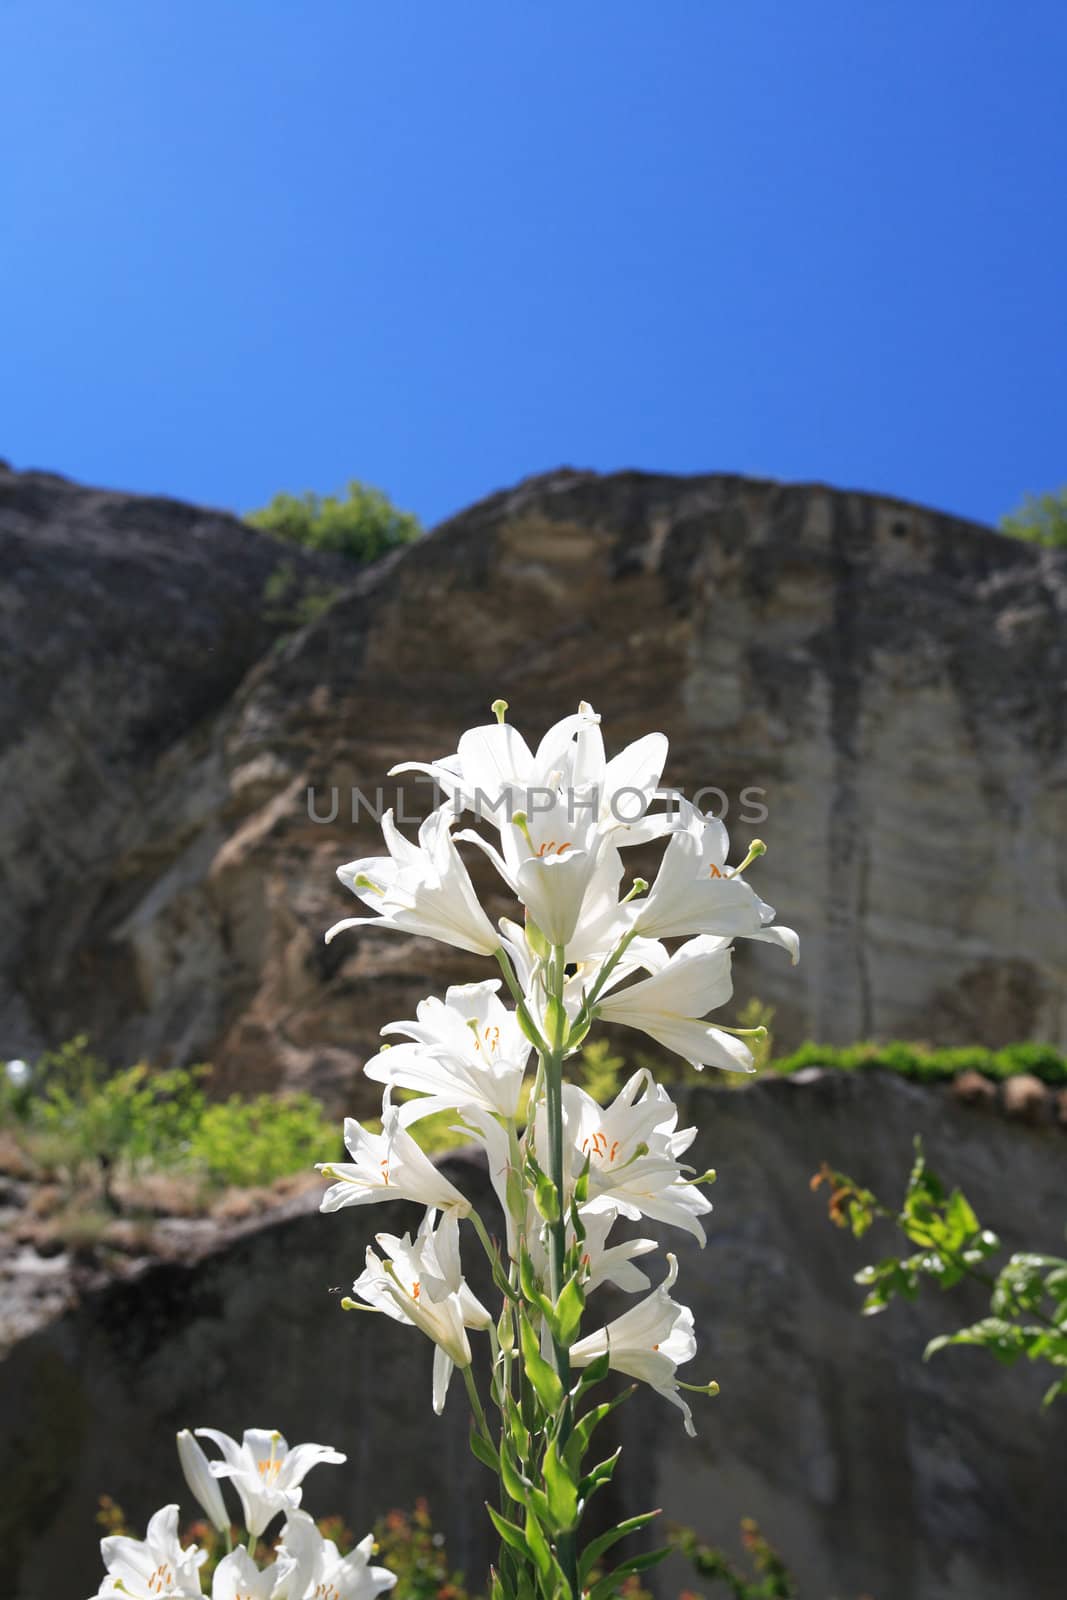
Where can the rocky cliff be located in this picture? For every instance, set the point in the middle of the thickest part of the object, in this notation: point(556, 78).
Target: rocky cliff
point(890, 680)
point(873, 1473)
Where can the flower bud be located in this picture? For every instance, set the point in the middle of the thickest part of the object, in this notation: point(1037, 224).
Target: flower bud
point(202, 1482)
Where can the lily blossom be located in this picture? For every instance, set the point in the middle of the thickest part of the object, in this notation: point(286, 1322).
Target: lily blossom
point(265, 1472)
point(155, 1567)
point(548, 859)
point(238, 1578)
point(421, 1282)
point(311, 1565)
point(467, 1050)
point(423, 889)
point(632, 1147)
point(494, 771)
point(648, 1342)
point(203, 1483)
point(668, 1005)
point(387, 1166)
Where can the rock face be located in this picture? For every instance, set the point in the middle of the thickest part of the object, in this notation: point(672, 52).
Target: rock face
point(887, 683)
point(872, 1472)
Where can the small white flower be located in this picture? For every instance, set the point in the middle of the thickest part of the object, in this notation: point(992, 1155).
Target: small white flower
point(155, 1567)
point(423, 889)
point(387, 1166)
point(668, 1005)
point(467, 1050)
point(311, 1566)
point(265, 1472)
point(238, 1578)
point(648, 1342)
point(632, 1147)
point(420, 1282)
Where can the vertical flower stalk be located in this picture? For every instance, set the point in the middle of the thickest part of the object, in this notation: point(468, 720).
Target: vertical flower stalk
point(564, 1168)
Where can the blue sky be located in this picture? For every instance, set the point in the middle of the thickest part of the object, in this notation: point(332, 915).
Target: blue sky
point(256, 244)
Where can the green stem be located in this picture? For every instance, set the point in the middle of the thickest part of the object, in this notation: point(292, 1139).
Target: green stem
point(476, 1404)
point(566, 1547)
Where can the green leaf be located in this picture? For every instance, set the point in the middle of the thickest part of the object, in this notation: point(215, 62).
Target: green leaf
point(600, 1475)
point(510, 1533)
point(538, 1545)
point(546, 1198)
point(608, 1588)
point(484, 1451)
point(561, 1489)
point(569, 1310)
point(543, 1379)
point(515, 1486)
point(599, 1547)
point(578, 1443)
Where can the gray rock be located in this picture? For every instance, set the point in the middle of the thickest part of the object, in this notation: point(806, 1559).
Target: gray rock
point(872, 1472)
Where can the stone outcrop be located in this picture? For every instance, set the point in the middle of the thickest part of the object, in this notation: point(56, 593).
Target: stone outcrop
point(890, 679)
point(872, 1472)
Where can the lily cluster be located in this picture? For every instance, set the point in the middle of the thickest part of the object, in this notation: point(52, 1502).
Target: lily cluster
point(583, 945)
point(268, 1477)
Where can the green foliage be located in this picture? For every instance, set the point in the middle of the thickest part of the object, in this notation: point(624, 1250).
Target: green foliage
point(77, 1117)
point(1042, 519)
point(80, 1116)
point(599, 1069)
point(362, 526)
point(924, 1065)
point(249, 1142)
point(408, 1545)
point(292, 603)
point(770, 1579)
point(1028, 1296)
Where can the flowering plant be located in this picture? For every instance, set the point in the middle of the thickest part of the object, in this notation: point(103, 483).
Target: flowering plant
point(564, 1168)
point(268, 1477)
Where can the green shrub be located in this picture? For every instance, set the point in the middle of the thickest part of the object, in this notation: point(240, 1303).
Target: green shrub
point(922, 1064)
point(1041, 518)
point(363, 526)
point(80, 1116)
point(253, 1142)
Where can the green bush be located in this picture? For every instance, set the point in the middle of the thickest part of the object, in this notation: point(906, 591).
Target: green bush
point(363, 526)
point(78, 1115)
point(918, 1062)
point(1041, 518)
point(75, 1117)
point(252, 1142)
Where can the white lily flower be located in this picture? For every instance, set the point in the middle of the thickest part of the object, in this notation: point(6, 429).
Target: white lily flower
point(494, 771)
point(421, 1282)
point(423, 889)
point(694, 891)
point(155, 1567)
point(633, 1147)
point(648, 1342)
point(387, 1166)
point(611, 1263)
point(312, 1566)
point(298, 1555)
point(548, 859)
point(603, 1263)
point(265, 1472)
point(197, 1472)
point(668, 1005)
point(467, 1050)
point(238, 1578)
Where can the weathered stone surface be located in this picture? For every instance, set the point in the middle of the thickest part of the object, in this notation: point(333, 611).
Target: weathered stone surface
point(891, 678)
point(874, 1473)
